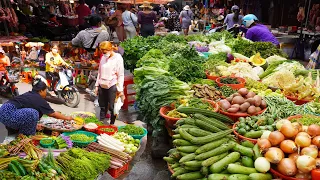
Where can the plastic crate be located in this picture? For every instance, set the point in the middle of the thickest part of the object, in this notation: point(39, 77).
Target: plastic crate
point(115, 173)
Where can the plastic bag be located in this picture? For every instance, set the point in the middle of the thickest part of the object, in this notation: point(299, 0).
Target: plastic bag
point(117, 106)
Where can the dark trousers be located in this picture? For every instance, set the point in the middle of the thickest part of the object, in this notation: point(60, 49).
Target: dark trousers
point(106, 99)
point(54, 77)
point(147, 30)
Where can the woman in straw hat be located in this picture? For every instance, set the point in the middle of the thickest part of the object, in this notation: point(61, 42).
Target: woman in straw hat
point(146, 18)
point(186, 16)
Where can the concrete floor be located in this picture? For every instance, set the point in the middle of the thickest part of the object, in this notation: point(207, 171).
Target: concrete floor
point(143, 167)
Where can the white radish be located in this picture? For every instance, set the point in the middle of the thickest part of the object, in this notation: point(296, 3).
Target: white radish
point(110, 138)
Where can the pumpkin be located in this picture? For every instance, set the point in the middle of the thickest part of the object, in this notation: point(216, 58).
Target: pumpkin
point(257, 60)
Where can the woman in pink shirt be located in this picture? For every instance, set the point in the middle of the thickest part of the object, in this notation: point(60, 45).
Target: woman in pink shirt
point(110, 79)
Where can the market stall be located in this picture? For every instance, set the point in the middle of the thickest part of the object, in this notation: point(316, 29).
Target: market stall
point(230, 106)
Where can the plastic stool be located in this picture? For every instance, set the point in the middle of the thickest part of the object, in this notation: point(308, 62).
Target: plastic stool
point(27, 76)
point(127, 81)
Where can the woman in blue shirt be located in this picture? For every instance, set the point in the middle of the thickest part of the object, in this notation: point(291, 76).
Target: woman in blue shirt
point(22, 113)
point(233, 18)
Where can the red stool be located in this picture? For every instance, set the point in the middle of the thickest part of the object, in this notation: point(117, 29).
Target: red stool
point(127, 81)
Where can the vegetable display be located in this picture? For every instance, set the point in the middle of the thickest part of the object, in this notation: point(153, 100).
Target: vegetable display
point(206, 91)
point(306, 119)
point(281, 107)
point(313, 107)
point(229, 80)
point(81, 137)
point(244, 101)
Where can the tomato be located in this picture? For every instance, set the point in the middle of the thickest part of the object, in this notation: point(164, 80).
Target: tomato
point(315, 174)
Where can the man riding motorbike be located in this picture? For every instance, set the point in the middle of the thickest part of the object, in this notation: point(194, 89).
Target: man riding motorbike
point(53, 60)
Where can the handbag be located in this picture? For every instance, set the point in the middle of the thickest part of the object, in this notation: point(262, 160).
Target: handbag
point(135, 24)
point(112, 22)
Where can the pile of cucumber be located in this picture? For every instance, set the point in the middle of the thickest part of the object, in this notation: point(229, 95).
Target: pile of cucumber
point(206, 149)
point(254, 126)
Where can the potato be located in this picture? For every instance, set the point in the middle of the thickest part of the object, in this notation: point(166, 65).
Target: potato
point(257, 100)
point(243, 91)
point(237, 100)
point(235, 94)
point(229, 99)
point(263, 104)
point(251, 101)
point(232, 110)
point(251, 110)
point(244, 107)
point(258, 109)
point(250, 94)
point(237, 106)
point(224, 104)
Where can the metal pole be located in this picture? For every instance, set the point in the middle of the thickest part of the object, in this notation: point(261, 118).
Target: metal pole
point(308, 14)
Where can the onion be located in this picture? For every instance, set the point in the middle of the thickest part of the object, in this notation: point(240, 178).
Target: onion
point(318, 162)
point(288, 146)
point(262, 164)
point(316, 141)
point(294, 156)
point(305, 128)
point(313, 146)
point(274, 155)
point(306, 163)
point(265, 135)
point(287, 167)
point(288, 130)
point(312, 152)
point(313, 130)
point(282, 122)
point(297, 125)
point(264, 144)
point(276, 138)
point(303, 134)
point(302, 140)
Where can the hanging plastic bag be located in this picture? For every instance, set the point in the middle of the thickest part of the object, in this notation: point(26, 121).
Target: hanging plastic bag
point(117, 106)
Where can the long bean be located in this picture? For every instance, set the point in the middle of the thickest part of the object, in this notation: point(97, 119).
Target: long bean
point(281, 107)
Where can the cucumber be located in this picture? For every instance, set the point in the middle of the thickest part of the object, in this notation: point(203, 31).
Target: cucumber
point(238, 177)
point(179, 172)
point(190, 176)
point(243, 150)
point(19, 167)
point(260, 176)
point(204, 171)
point(218, 176)
point(219, 150)
point(253, 134)
point(188, 126)
point(223, 163)
point(224, 172)
point(198, 132)
point(188, 157)
point(188, 149)
point(195, 164)
point(211, 160)
point(238, 169)
point(212, 121)
point(205, 112)
point(189, 121)
point(14, 169)
point(192, 168)
point(176, 136)
point(177, 168)
point(175, 165)
point(247, 143)
point(210, 146)
point(183, 154)
point(172, 151)
point(256, 152)
point(181, 142)
point(247, 161)
point(180, 122)
point(210, 138)
point(169, 160)
point(185, 135)
point(176, 155)
point(206, 126)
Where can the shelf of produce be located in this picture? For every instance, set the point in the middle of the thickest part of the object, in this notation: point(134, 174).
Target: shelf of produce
point(297, 101)
point(241, 84)
point(242, 137)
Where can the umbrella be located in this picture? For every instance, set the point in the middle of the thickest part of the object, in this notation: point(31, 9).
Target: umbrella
point(32, 44)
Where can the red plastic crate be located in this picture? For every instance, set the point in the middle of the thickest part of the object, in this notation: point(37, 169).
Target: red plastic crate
point(115, 173)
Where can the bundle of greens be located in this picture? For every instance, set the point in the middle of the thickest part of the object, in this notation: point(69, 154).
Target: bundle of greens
point(77, 163)
point(172, 38)
point(187, 65)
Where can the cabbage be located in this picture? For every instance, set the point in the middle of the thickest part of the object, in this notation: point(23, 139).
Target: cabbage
point(282, 78)
point(258, 70)
point(275, 58)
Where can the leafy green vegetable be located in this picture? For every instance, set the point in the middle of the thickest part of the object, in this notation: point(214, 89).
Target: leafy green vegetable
point(229, 80)
point(132, 130)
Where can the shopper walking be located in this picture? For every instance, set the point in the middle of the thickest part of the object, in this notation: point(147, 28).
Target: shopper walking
point(110, 79)
point(233, 18)
point(130, 22)
point(173, 19)
point(186, 16)
point(83, 11)
point(120, 27)
point(146, 18)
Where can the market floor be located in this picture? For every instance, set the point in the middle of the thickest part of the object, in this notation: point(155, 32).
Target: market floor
point(143, 167)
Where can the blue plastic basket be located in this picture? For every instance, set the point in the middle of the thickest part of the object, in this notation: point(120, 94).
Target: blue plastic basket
point(80, 143)
point(136, 136)
point(206, 54)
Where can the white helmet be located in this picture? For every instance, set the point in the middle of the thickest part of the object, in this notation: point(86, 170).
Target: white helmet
point(249, 19)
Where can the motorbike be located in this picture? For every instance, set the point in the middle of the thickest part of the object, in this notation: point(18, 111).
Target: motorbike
point(8, 81)
point(64, 88)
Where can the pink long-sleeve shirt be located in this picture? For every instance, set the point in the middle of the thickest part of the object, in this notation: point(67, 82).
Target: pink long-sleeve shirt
point(111, 72)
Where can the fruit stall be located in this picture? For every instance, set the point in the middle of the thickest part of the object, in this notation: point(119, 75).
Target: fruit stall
point(234, 109)
point(83, 148)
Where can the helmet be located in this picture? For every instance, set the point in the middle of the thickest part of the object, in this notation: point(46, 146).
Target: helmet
point(248, 19)
point(235, 7)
